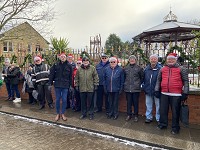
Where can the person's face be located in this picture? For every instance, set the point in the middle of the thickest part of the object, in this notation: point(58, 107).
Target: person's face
point(38, 61)
point(7, 63)
point(104, 59)
point(132, 61)
point(63, 58)
point(171, 61)
point(113, 63)
point(153, 60)
point(78, 64)
point(69, 59)
point(86, 62)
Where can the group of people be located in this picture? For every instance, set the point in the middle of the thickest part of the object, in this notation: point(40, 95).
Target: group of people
point(91, 86)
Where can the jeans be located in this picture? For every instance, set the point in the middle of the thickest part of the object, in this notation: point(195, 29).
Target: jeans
point(15, 90)
point(132, 99)
point(61, 92)
point(149, 107)
point(113, 103)
point(100, 95)
point(8, 87)
point(87, 103)
point(175, 103)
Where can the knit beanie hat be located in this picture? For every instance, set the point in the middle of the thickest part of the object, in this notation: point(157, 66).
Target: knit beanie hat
point(132, 57)
point(154, 55)
point(7, 60)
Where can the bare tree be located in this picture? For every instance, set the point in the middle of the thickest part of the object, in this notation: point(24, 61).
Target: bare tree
point(36, 12)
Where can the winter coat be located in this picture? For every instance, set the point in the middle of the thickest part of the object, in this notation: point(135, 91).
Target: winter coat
point(40, 74)
point(173, 79)
point(5, 71)
point(13, 75)
point(150, 78)
point(113, 79)
point(61, 73)
point(100, 70)
point(86, 78)
point(133, 78)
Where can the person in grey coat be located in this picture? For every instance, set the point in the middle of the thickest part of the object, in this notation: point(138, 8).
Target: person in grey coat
point(132, 86)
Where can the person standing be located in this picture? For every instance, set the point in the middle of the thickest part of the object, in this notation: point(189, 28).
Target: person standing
point(13, 74)
point(132, 86)
point(113, 85)
point(61, 73)
point(100, 91)
point(6, 79)
point(173, 83)
point(86, 81)
point(150, 78)
point(40, 78)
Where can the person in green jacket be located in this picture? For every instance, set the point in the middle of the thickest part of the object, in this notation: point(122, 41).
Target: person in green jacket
point(86, 82)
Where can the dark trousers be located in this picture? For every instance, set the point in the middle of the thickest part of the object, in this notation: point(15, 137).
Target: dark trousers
point(132, 100)
point(15, 90)
point(8, 88)
point(175, 103)
point(44, 92)
point(113, 103)
point(31, 98)
point(87, 103)
point(100, 95)
point(78, 100)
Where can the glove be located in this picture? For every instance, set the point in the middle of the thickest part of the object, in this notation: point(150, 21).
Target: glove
point(77, 88)
point(95, 87)
point(184, 97)
point(157, 94)
point(71, 88)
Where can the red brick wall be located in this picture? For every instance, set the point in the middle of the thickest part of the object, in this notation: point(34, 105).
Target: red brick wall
point(193, 103)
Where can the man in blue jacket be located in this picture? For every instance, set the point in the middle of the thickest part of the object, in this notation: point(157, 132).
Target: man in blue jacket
point(150, 78)
point(100, 91)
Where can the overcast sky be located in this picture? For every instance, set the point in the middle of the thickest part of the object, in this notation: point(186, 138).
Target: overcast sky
point(78, 20)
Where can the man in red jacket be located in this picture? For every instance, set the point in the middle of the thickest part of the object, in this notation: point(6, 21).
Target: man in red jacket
point(173, 84)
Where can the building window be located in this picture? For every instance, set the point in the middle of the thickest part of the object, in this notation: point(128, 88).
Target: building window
point(37, 48)
point(7, 46)
point(29, 48)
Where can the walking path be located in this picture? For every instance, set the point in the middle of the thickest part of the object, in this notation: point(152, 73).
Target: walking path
point(188, 138)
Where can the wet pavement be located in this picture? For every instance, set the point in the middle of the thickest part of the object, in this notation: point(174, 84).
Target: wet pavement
point(23, 126)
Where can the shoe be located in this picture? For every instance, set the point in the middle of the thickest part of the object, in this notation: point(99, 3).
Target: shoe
point(57, 117)
point(11, 99)
point(82, 116)
point(7, 99)
point(17, 100)
point(91, 117)
point(115, 117)
point(128, 118)
point(51, 106)
point(160, 127)
point(136, 119)
point(63, 117)
point(109, 116)
point(148, 121)
point(174, 132)
point(97, 111)
point(41, 107)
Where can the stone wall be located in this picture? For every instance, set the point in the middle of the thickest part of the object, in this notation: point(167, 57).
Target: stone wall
point(193, 103)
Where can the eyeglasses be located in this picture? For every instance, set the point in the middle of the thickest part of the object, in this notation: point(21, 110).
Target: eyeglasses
point(78, 63)
point(103, 57)
point(37, 60)
point(85, 60)
point(112, 62)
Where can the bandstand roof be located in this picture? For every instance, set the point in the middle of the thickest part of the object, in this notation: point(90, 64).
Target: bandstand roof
point(169, 30)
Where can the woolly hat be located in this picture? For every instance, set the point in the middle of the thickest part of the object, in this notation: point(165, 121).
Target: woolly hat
point(113, 59)
point(70, 55)
point(85, 59)
point(37, 58)
point(172, 55)
point(79, 60)
point(154, 55)
point(7, 60)
point(63, 54)
point(132, 57)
